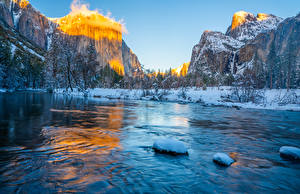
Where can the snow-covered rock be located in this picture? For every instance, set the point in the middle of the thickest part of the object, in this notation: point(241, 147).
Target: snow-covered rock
point(223, 159)
point(221, 53)
point(290, 152)
point(170, 146)
point(246, 26)
point(214, 52)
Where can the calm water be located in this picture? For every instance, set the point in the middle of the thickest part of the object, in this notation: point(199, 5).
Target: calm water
point(51, 143)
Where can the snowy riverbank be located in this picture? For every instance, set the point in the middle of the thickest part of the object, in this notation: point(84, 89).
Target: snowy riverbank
point(276, 99)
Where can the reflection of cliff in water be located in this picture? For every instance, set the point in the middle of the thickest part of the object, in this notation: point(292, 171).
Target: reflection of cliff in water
point(70, 138)
point(83, 136)
point(86, 131)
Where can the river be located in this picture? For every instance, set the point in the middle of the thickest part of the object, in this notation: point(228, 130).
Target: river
point(54, 143)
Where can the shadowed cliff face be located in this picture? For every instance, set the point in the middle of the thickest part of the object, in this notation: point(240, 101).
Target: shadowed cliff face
point(278, 51)
point(21, 16)
point(214, 53)
point(80, 29)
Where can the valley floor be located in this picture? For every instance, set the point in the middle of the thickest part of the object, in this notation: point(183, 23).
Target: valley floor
point(275, 99)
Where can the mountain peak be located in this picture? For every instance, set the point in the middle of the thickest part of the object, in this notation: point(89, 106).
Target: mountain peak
point(262, 16)
point(246, 26)
point(240, 18)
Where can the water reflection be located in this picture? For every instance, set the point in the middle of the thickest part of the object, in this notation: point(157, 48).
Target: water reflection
point(76, 138)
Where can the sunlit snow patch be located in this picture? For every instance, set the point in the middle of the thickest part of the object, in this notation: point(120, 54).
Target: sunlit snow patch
point(289, 152)
point(223, 159)
point(170, 146)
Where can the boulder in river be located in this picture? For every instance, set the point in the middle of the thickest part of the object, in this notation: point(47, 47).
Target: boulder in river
point(170, 146)
point(289, 152)
point(223, 159)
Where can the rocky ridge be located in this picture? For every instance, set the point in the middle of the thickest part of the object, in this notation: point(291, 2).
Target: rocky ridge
point(263, 44)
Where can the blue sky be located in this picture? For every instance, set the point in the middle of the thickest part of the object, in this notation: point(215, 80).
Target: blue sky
point(162, 33)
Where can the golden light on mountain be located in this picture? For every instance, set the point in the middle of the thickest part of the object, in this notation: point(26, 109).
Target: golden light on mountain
point(181, 70)
point(22, 3)
point(262, 16)
point(84, 22)
point(238, 19)
point(117, 66)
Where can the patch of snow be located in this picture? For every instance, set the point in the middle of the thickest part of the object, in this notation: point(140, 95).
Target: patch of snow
point(219, 42)
point(223, 159)
point(170, 146)
point(13, 49)
point(250, 30)
point(32, 51)
point(247, 65)
point(290, 152)
point(216, 42)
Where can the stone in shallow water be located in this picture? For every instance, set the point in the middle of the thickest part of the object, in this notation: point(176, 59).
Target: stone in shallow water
point(170, 146)
point(289, 152)
point(223, 159)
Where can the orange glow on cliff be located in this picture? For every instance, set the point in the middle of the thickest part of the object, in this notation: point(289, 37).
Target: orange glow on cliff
point(117, 66)
point(22, 3)
point(181, 70)
point(238, 19)
point(84, 22)
point(262, 16)
point(104, 134)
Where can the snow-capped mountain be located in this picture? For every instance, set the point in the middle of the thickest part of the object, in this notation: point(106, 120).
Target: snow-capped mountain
point(245, 26)
point(257, 43)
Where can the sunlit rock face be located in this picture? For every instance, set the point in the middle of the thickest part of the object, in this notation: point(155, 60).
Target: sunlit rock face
point(181, 70)
point(240, 18)
point(22, 3)
point(82, 21)
point(245, 26)
point(79, 30)
point(85, 28)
